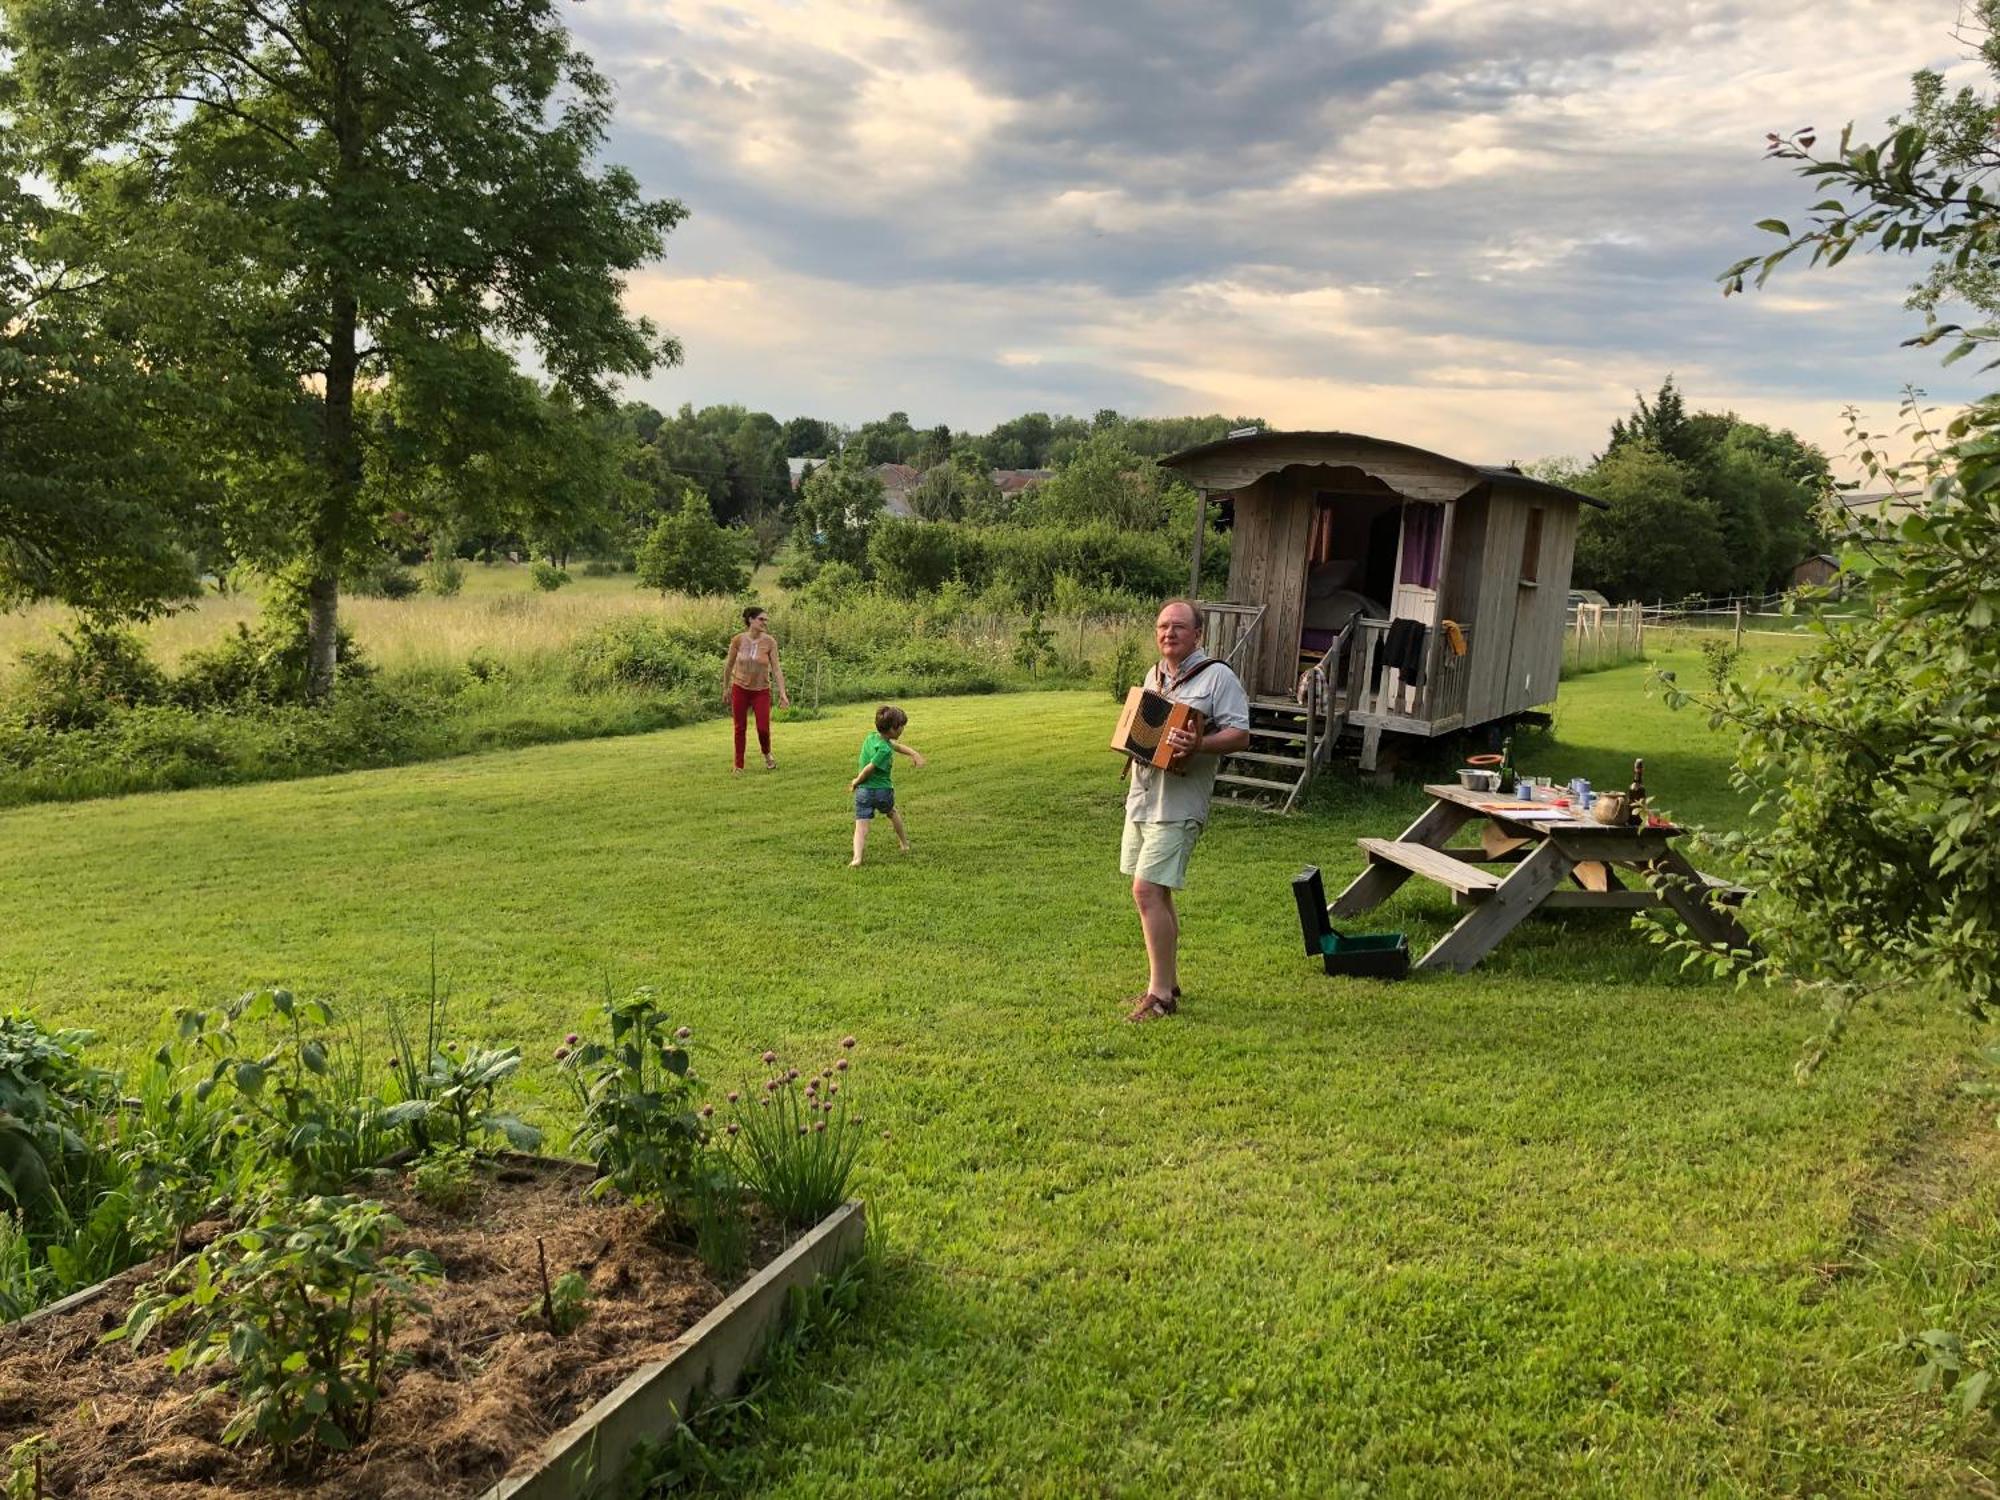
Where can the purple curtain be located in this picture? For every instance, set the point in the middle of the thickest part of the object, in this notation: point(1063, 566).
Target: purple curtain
point(1423, 544)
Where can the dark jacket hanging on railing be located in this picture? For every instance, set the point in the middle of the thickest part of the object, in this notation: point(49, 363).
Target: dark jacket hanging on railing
point(1402, 649)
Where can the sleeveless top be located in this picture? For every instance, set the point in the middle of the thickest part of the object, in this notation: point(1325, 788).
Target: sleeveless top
point(752, 671)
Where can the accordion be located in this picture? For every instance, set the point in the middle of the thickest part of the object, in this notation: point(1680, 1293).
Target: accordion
point(1142, 729)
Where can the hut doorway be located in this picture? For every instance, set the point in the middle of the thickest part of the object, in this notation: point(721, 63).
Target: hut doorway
point(1350, 565)
point(1419, 563)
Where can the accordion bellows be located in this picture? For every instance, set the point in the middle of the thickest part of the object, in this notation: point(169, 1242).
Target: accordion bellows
point(1143, 725)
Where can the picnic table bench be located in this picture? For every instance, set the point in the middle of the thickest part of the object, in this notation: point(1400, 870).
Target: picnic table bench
point(1551, 859)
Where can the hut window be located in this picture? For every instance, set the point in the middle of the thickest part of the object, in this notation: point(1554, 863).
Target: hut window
point(1531, 547)
point(1423, 544)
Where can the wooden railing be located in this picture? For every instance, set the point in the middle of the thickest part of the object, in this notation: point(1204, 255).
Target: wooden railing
point(1439, 698)
point(1449, 676)
point(1230, 634)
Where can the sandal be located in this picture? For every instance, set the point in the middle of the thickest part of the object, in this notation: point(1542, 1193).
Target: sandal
point(1151, 1007)
point(1131, 1002)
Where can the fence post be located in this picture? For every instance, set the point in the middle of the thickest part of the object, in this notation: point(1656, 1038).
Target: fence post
point(1739, 624)
point(1638, 627)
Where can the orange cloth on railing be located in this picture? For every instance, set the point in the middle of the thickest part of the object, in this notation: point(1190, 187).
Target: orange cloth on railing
point(1454, 637)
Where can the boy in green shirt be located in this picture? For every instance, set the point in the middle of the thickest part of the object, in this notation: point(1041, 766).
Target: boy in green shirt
point(872, 790)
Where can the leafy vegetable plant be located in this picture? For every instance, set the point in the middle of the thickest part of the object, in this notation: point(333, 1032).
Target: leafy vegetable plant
point(637, 1099)
point(444, 1178)
point(301, 1102)
point(450, 1100)
point(302, 1304)
point(447, 1093)
point(44, 1086)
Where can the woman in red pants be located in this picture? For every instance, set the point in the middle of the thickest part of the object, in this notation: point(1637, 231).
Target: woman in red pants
point(747, 675)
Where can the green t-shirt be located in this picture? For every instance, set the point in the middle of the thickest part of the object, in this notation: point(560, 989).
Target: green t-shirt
point(876, 759)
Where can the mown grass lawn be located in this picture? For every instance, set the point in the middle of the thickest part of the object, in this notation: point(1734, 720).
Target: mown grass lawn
point(1563, 1225)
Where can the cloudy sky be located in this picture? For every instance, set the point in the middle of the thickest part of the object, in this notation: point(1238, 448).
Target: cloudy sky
point(1475, 225)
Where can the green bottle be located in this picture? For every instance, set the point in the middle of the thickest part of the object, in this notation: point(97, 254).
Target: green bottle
point(1507, 777)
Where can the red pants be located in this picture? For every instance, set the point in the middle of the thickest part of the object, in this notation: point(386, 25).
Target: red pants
point(741, 701)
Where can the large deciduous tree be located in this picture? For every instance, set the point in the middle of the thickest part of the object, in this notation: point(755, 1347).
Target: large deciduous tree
point(1657, 540)
point(96, 508)
point(345, 192)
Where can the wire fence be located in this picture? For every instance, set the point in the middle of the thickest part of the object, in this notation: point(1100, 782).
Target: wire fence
point(1604, 635)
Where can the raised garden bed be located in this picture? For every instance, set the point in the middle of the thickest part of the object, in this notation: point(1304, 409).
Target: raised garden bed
point(491, 1404)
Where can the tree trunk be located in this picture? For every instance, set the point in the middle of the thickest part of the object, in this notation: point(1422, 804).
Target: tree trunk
point(342, 450)
point(322, 635)
point(342, 479)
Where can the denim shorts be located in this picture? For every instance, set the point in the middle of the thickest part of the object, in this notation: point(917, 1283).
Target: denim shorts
point(869, 799)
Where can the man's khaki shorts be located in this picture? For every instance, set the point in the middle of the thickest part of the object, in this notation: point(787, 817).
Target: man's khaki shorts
point(1158, 852)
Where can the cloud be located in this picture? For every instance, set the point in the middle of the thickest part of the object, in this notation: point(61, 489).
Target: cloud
point(1493, 216)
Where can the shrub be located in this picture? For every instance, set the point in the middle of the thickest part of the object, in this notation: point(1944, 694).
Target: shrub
point(930, 659)
point(1034, 647)
point(1127, 667)
point(638, 653)
point(797, 1140)
point(547, 576)
point(1097, 556)
point(689, 552)
point(1873, 756)
point(1718, 660)
point(383, 577)
point(597, 567)
point(265, 665)
point(98, 668)
point(303, 1303)
point(801, 567)
point(444, 574)
point(182, 1155)
point(913, 558)
point(832, 585)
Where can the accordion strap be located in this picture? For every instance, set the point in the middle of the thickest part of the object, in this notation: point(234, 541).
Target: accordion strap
point(1159, 683)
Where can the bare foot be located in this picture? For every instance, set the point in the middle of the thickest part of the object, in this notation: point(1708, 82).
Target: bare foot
point(904, 847)
point(736, 771)
point(769, 764)
point(854, 864)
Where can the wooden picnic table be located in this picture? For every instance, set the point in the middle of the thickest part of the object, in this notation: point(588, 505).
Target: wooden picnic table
point(1555, 861)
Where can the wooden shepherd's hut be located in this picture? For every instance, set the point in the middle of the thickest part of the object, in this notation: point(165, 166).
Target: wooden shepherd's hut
point(1378, 589)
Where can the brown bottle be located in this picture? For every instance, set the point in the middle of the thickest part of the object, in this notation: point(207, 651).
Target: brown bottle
point(1635, 798)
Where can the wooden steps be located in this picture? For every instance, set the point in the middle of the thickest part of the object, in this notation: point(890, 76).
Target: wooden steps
point(1258, 757)
point(1274, 771)
point(1231, 778)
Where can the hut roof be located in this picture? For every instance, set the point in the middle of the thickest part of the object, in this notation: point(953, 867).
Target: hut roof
point(1284, 450)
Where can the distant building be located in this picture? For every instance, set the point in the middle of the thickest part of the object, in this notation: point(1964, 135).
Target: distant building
point(1815, 572)
point(1014, 481)
point(897, 482)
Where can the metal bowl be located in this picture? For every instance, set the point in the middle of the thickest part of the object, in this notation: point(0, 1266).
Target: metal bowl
point(1475, 780)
